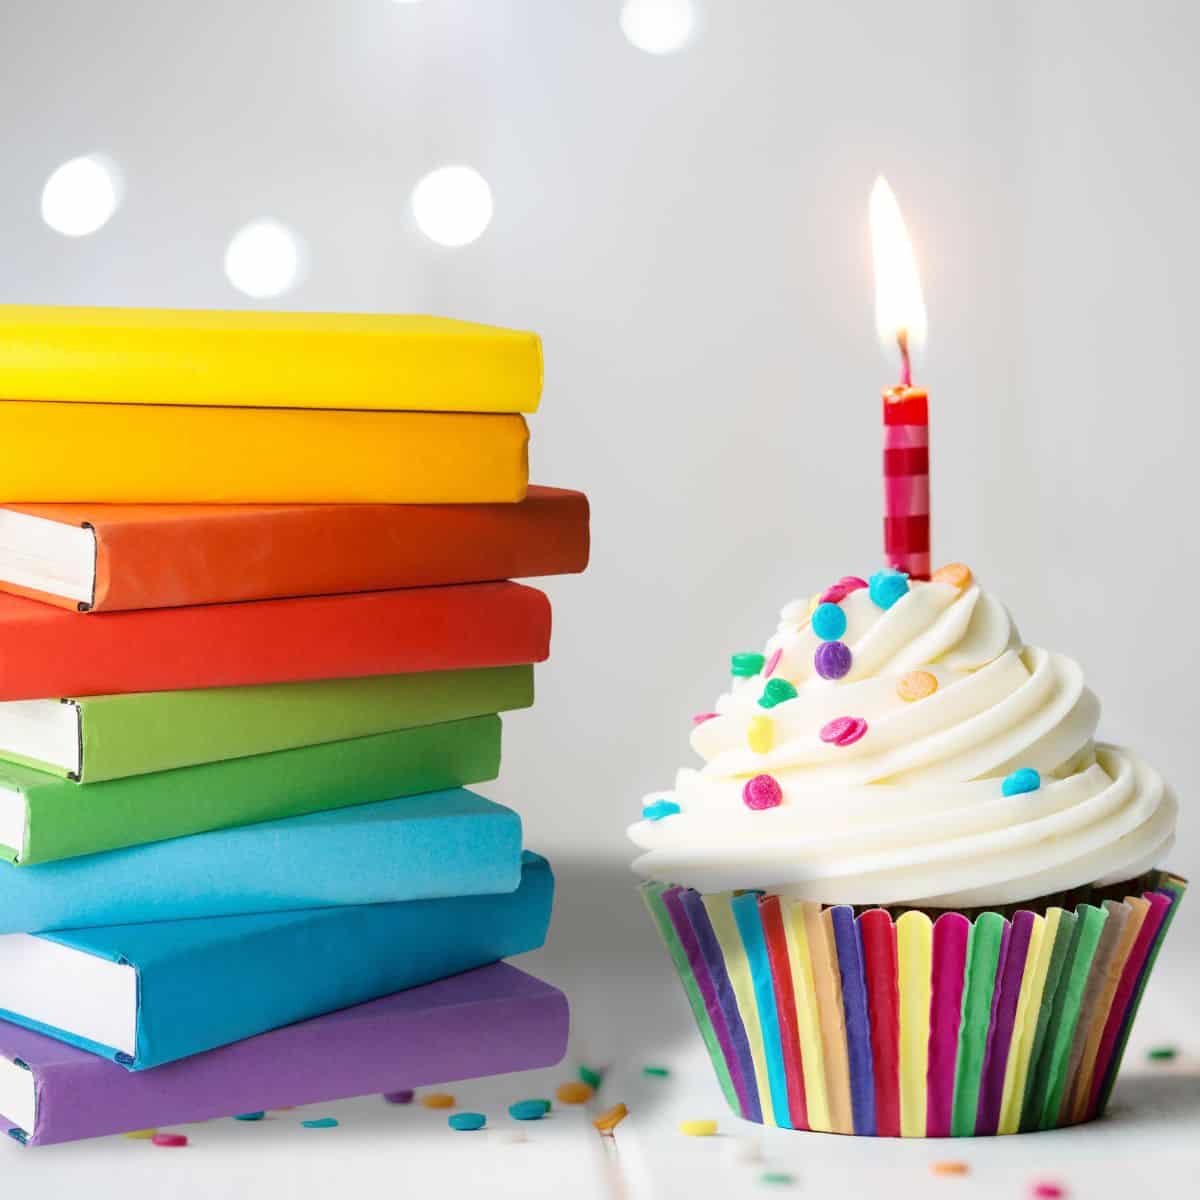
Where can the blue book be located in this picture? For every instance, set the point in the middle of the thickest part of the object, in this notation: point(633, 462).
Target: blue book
point(450, 843)
point(149, 994)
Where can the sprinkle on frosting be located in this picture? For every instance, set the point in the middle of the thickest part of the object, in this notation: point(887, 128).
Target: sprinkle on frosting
point(843, 731)
point(833, 660)
point(887, 586)
point(956, 574)
point(700, 718)
point(916, 685)
point(840, 590)
point(777, 691)
point(760, 734)
point(660, 809)
point(745, 665)
point(772, 663)
point(762, 792)
point(1026, 779)
point(828, 622)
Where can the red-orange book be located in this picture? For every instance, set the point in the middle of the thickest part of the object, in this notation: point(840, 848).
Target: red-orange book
point(48, 652)
point(117, 557)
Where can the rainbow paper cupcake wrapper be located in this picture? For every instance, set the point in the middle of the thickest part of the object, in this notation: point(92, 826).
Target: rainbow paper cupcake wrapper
point(907, 1024)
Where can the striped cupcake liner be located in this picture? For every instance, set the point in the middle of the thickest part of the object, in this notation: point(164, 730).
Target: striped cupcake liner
point(907, 1024)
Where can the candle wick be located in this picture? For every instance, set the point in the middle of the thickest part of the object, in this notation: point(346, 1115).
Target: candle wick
point(905, 361)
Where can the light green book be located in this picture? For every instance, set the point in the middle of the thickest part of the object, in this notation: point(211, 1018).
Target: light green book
point(94, 738)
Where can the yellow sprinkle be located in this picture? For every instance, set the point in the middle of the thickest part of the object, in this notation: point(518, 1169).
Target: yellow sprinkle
point(956, 574)
point(698, 1128)
point(916, 685)
point(610, 1119)
point(949, 1168)
point(813, 604)
point(439, 1100)
point(574, 1093)
point(141, 1134)
point(760, 734)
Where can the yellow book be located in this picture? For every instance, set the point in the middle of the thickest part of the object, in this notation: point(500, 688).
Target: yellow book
point(257, 359)
point(161, 454)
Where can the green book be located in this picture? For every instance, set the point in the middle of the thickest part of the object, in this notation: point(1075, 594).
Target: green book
point(94, 738)
point(44, 817)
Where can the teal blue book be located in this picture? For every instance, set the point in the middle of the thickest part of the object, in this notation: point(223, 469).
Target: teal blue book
point(149, 994)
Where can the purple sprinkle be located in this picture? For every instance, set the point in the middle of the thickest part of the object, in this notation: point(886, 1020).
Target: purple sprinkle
point(832, 660)
point(762, 792)
point(404, 1096)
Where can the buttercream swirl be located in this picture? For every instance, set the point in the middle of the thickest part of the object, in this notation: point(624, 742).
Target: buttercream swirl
point(914, 811)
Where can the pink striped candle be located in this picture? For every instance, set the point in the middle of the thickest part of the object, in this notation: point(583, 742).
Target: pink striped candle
point(906, 480)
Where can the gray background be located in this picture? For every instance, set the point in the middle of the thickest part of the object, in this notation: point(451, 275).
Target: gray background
point(688, 232)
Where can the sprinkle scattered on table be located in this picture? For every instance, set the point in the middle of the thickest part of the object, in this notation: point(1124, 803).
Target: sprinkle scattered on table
point(1047, 1189)
point(656, 1072)
point(320, 1123)
point(1162, 1053)
point(252, 1116)
point(949, 1167)
point(170, 1139)
point(404, 1096)
point(592, 1078)
point(608, 1120)
point(777, 1178)
point(140, 1134)
point(574, 1093)
point(529, 1110)
point(465, 1122)
point(698, 1128)
point(439, 1100)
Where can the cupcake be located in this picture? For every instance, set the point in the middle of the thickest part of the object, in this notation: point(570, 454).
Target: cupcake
point(908, 893)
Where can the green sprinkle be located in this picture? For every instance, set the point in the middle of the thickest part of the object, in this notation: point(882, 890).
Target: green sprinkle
point(776, 692)
point(255, 1116)
point(529, 1110)
point(745, 665)
point(776, 1178)
point(321, 1123)
point(592, 1078)
point(1162, 1053)
point(657, 1072)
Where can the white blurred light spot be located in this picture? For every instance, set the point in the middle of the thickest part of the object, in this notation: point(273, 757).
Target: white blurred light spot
point(453, 205)
point(659, 26)
point(264, 258)
point(81, 195)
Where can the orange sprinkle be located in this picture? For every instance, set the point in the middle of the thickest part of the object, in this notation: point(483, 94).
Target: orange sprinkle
point(955, 574)
point(952, 1167)
point(610, 1119)
point(574, 1093)
point(439, 1100)
point(916, 685)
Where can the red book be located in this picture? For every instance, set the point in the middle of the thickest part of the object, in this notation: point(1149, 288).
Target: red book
point(115, 557)
point(47, 652)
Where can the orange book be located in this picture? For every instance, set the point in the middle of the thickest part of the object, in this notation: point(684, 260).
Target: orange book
point(114, 557)
point(47, 652)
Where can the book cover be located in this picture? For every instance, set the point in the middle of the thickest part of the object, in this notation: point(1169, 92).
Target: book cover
point(489, 1021)
point(449, 843)
point(47, 652)
point(164, 454)
point(205, 983)
point(95, 738)
point(109, 557)
point(44, 818)
point(266, 359)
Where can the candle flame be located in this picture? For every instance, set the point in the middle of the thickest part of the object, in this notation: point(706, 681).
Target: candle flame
point(899, 305)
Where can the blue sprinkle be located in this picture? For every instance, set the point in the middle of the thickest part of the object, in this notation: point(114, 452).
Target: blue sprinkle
point(321, 1123)
point(887, 586)
point(528, 1110)
point(1024, 780)
point(467, 1121)
point(828, 622)
point(660, 809)
point(256, 1116)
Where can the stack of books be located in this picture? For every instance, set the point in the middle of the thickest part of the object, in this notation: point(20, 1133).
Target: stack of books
point(255, 631)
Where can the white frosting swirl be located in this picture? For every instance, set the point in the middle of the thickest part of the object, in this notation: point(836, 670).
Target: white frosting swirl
point(913, 812)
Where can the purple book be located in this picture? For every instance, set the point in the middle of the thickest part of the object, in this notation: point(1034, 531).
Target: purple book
point(486, 1022)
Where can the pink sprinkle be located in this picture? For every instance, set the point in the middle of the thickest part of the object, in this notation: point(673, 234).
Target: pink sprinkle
point(170, 1139)
point(700, 718)
point(843, 731)
point(1046, 1190)
point(837, 592)
point(772, 663)
point(852, 583)
point(761, 792)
